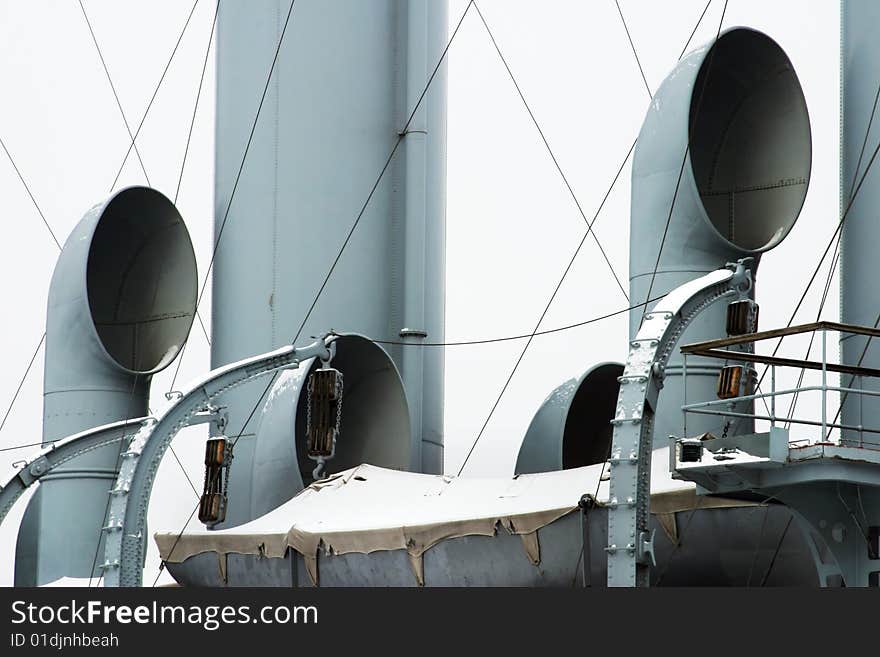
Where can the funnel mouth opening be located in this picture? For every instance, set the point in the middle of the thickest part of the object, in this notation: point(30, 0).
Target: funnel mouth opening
point(374, 423)
point(750, 145)
point(586, 439)
point(141, 280)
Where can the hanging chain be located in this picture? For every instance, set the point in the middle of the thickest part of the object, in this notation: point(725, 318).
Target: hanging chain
point(339, 387)
point(309, 387)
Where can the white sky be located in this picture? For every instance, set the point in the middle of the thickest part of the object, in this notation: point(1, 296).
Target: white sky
point(511, 223)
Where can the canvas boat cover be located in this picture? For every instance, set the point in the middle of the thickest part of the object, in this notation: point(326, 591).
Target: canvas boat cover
point(368, 508)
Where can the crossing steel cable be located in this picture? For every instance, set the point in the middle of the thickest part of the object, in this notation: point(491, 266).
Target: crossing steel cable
point(237, 177)
point(345, 242)
point(133, 137)
point(836, 256)
point(121, 446)
point(694, 31)
point(465, 343)
point(577, 250)
point(543, 314)
point(602, 470)
point(550, 150)
point(196, 107)
point(43, 217)
point(633, 47)
point(189, 139)
point(132, 143)
point(153, 97)
point(113, 88)
point(831, 241)
point(684, 157)
point(28, 190)
point(400, 136)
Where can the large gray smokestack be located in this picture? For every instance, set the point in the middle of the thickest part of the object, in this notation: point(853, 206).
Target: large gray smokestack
point(347, 77)
point(859, 292)
point(737, 107)
point(121, 303)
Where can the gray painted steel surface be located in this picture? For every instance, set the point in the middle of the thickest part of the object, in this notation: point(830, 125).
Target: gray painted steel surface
point(859, 292)
point(374, 428)
point(121, 303)
point(718, 547)
point(572, 427)
point(630, 549)
point(347, 77)
point(727, 136)
point(126, 528)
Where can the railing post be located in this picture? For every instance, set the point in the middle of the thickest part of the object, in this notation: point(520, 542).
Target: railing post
point(861, 419)
point(684, 416)
point(772, 395)
point(824, 386)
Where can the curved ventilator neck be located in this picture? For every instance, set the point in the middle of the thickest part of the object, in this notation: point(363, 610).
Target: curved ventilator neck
point(630, 548)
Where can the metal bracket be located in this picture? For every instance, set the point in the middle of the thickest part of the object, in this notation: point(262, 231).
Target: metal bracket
point(645, 548)
point(633, 424)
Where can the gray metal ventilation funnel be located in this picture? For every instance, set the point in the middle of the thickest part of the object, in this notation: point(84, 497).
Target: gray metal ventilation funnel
point(121, 304)
point(572, 428)
point(727, 136)
point(375, 423)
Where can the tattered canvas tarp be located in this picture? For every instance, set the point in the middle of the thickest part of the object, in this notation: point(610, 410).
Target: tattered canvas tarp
point(368, 508)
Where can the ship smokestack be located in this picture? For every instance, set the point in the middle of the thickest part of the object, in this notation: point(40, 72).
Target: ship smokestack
point(347, 77)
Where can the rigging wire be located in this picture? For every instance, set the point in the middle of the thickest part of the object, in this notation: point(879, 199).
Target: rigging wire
point(351, 231)
point(28, 190)
point(757, 546)
point(835, 259)
point(550, 150)
point(21, 383)
point(681, 534)
point(604, 463)
point(113, 88)
point(153, 97)
point(633, 47)
point(543, 314)
point(465, 343)
point(685, 157)
point(776, 551)
point(237, 177)
point(10, 449)
point(390, 157)
point(577, 250)
point(132, 143)
point(196, 106)
point(186, 150)
point(831, 241)
point(694, 31)
point(521, 336)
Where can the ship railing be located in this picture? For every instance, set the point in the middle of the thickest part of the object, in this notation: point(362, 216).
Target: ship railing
point(739, 351)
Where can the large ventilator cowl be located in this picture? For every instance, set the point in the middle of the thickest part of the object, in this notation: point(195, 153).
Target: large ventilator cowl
point(750, 146)
point(720, 172)
point(374, 423)
point(121, 304)
point(141, 280)
point(572, 428)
